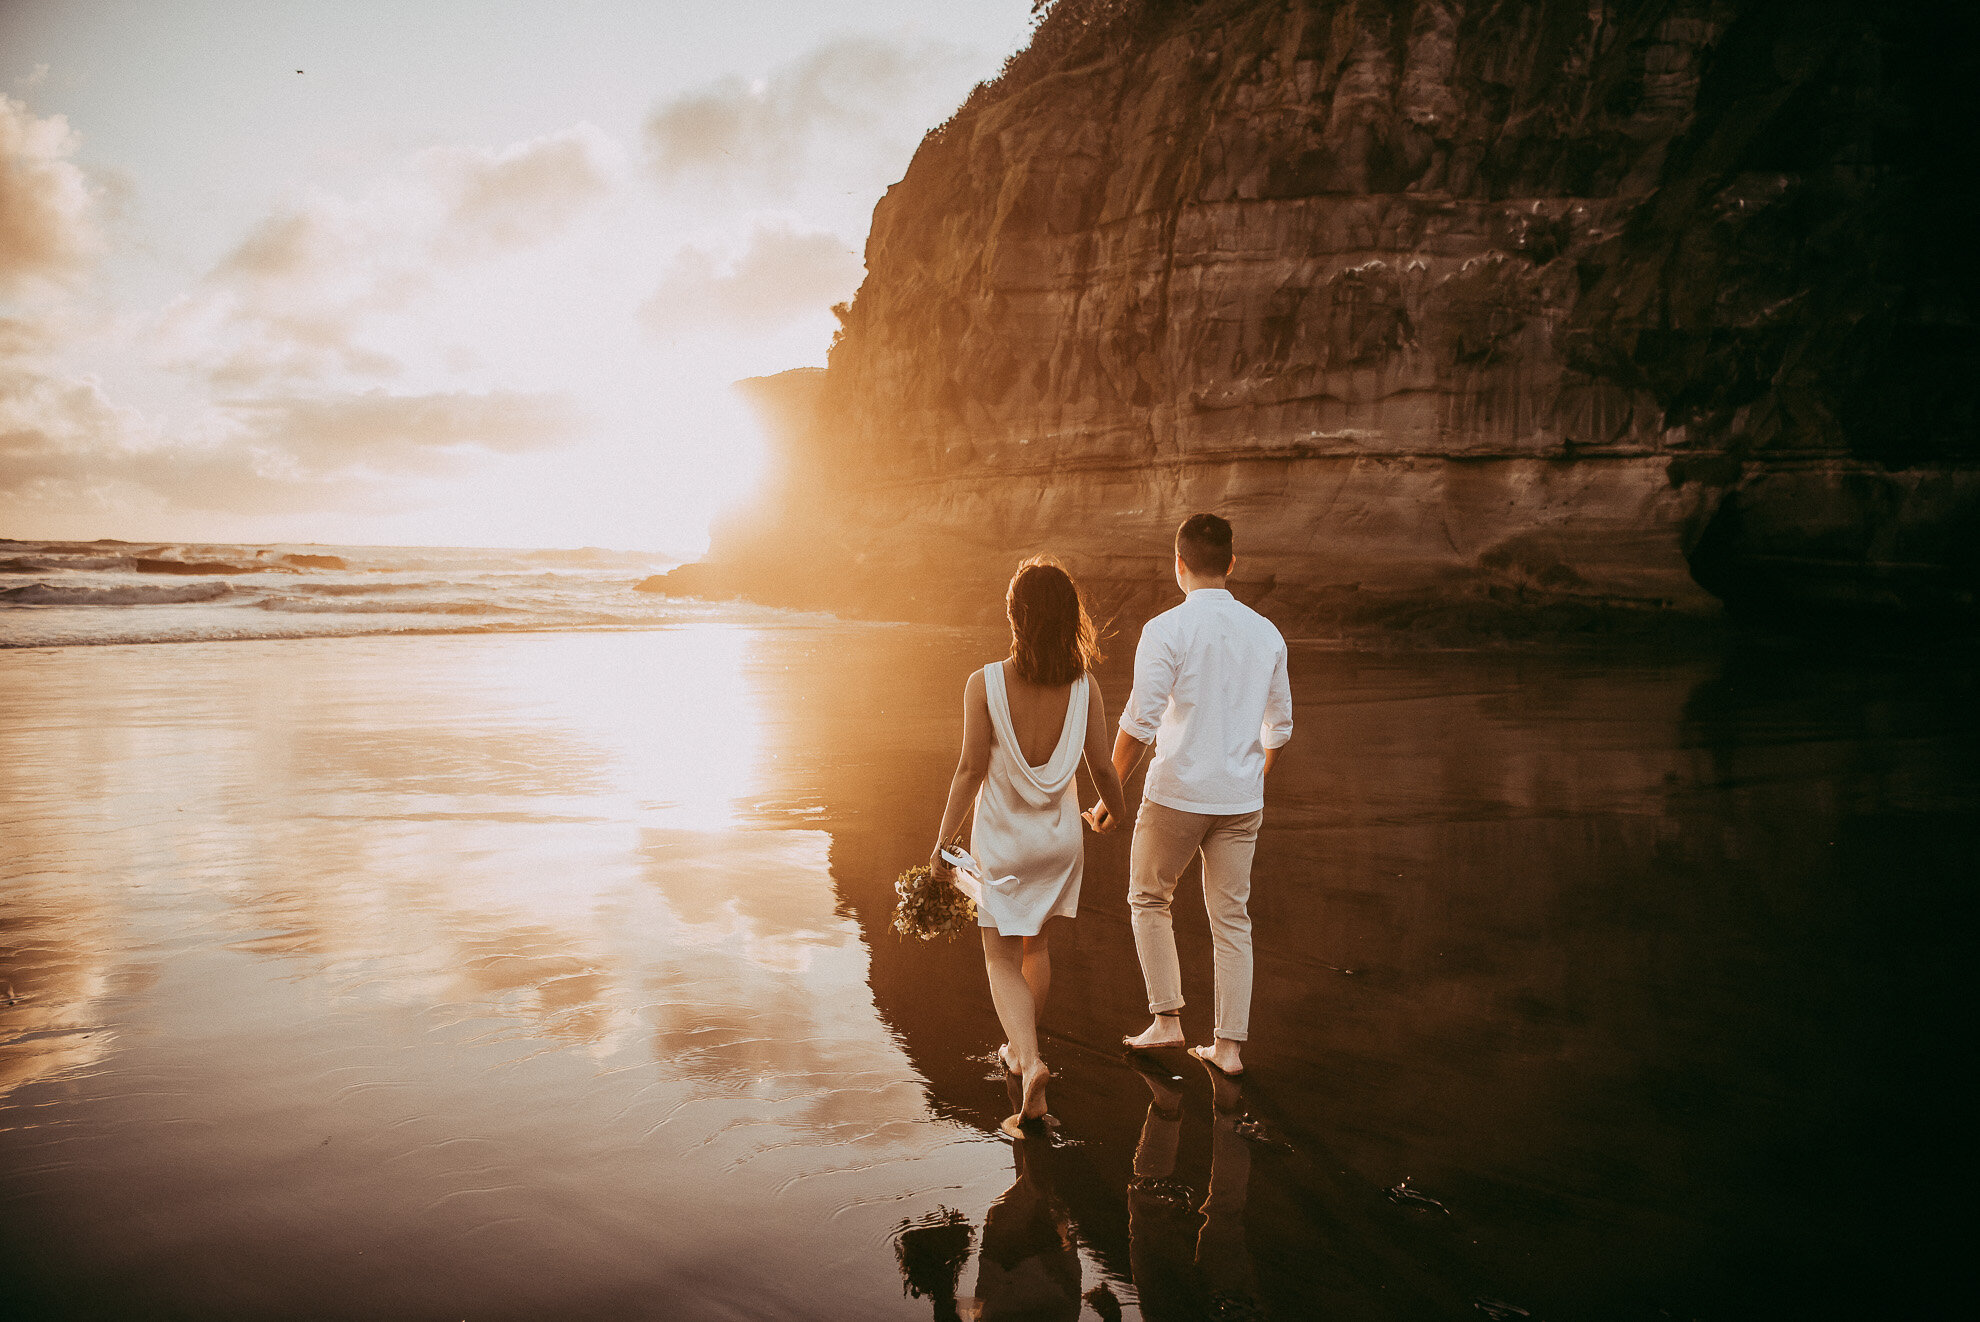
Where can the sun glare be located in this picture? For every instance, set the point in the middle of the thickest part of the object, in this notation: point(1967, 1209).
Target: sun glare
point(674, 725)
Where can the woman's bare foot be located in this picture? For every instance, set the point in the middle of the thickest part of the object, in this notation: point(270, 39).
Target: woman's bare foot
point(1035, 1079)
point(1032, 1107)
point(1164, 1031)
point(1004, 1059)
point(1225, 1057)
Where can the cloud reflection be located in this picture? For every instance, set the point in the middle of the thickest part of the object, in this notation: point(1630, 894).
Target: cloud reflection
point(556, 832)
point(56, 979)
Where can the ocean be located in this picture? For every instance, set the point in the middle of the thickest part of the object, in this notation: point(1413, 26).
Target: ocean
point(60, 594)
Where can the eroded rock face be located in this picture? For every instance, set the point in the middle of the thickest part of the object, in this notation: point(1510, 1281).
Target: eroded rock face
point(1618, 302)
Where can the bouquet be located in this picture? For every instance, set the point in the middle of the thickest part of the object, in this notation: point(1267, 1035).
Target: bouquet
point(927, 906)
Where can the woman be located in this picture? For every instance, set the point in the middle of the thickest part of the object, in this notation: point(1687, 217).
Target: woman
point(1028, 722)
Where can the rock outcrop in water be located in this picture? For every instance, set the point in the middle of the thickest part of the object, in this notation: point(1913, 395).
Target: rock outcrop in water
point(1625, 303)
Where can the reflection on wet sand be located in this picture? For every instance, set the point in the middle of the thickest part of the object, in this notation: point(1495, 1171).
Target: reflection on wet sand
point(1191, 1261)
point(931, 1251)
point(551, 975)
point(1028, 1267)
point(1029, 1263)
point(1601, 956)
point(52, 990)
point(468, 968)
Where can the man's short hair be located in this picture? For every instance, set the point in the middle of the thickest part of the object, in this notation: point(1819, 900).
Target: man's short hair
point(1204, 543)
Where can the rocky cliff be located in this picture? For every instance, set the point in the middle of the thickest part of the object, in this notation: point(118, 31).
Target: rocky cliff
point(1638, 303)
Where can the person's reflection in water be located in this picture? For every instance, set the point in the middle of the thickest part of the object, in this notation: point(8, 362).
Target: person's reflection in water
point(931, 1253)
point(1176, 1279)
point(1029, 1267)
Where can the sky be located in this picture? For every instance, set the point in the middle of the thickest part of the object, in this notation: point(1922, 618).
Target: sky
point(435, 272)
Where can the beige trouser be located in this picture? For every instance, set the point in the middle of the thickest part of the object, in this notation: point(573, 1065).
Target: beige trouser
point(1165, 840)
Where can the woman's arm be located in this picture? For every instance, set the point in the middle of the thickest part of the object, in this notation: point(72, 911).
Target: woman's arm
point(971, 767)
point(1100, 761)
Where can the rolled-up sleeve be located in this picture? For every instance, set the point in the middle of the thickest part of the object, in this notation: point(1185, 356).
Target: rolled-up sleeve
point(1276, 728)
point(1154, 678)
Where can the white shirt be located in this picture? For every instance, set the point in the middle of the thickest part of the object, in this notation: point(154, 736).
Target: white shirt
point(1210, 693)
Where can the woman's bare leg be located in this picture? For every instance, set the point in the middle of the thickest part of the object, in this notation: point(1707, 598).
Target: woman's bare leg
point(1017, 1011)
point(1038, 968)
point(1037, 977)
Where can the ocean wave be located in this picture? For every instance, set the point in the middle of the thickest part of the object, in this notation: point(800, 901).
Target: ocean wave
point(47, 594)
point(587, 557)
point(149, 565)
point(187, 591)
point(365, 589)
point(317, 606)
point(52, 564)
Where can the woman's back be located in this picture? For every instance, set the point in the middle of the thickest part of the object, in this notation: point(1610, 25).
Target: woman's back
point(1038, 714)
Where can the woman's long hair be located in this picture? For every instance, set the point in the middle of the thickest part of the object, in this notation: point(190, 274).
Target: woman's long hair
point(1052, 639)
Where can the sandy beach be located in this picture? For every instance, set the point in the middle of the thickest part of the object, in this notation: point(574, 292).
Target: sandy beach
point(533, 975)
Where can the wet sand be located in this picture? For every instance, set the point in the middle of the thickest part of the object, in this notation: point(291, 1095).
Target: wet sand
point(549, 975)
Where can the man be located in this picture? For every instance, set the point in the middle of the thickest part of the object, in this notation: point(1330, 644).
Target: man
point(1210, 694)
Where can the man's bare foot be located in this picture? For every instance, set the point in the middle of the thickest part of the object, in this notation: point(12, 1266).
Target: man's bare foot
point(1165, 1031)
point(1226, 1057)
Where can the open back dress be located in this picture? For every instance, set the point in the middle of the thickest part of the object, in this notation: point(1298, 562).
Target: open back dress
point(1027, 836)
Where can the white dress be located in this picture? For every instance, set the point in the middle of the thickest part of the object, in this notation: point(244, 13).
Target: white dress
point(1026, 839)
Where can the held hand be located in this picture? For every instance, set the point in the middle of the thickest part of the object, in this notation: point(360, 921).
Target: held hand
point(1099, 819)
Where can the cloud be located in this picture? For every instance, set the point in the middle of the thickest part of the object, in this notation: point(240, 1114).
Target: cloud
point(35, 472)
point(305, 345)
point(288, 245)
point(288, 305)
point(43, 415)
point(379, 431)
point(47, 229)
point(65, 443)
point(530, 191)
point(764, 131)
point(298, 303)
point(20, 337)
point(782, 274)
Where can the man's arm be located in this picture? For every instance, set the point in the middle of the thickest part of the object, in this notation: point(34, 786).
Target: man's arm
point(1154, 678)
point(1128, 752)
point(1113, 801)
point(1154, 681)
point(1277, 726)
